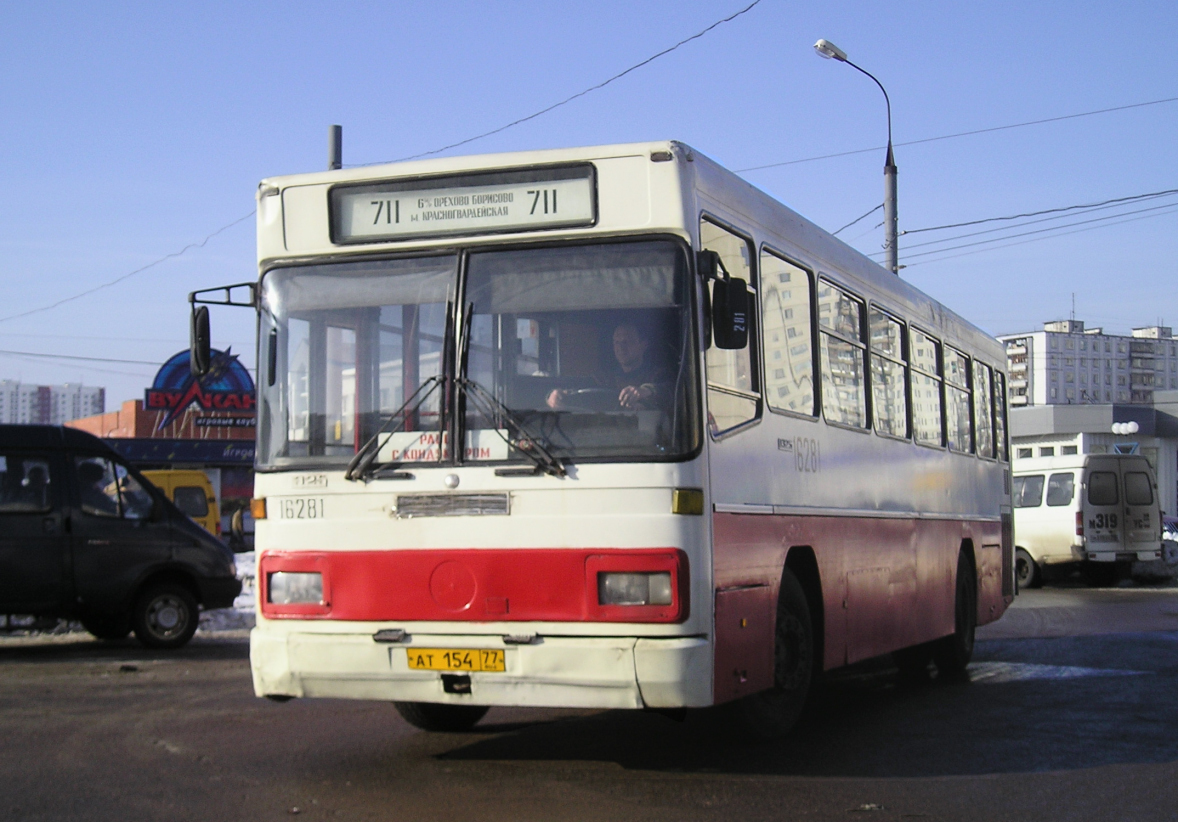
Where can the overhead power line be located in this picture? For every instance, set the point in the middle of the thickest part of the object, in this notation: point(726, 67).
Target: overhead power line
point(857, 219)
point(960, 134)
point(128, 275)
point(1023, 224)
point(1058, 229)
point(552, 107)
point(1045, 211)
point(583, 92)
point(70, 357)
point(1174, 209)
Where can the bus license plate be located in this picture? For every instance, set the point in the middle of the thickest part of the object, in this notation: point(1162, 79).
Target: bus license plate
point(455, 659)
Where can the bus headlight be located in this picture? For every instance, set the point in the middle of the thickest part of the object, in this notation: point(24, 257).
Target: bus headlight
point(290, 588)
point(614, 588)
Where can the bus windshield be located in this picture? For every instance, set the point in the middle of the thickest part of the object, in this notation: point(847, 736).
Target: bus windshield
point(585, 351)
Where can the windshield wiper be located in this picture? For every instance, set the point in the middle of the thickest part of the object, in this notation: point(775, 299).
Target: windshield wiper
point(366, 455)
point(528, 444)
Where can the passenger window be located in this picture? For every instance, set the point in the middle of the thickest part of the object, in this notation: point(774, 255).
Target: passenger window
point(1060, 489)
point(786, 335)
point(24, 484)
point(889, 376)
point(192, 501)
point(733, 395)
point(957, 417)
point(1000, 417)
point(983, 409)
point(106, 489)
point(1137, 488)
point(1028, 491)
point(924, 353)
point(844, 398)
point(1102, 488)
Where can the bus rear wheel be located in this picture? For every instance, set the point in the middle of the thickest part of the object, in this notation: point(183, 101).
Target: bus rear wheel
point(773, 713)
point(953, 653)
point(430, 716)
point(1027, 571)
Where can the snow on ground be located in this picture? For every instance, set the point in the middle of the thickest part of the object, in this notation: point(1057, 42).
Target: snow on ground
point(241, 615)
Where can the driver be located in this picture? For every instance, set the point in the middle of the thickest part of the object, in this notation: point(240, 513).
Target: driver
point(638, 382)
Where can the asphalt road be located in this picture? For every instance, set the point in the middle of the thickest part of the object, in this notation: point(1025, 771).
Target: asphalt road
point(1071, 712)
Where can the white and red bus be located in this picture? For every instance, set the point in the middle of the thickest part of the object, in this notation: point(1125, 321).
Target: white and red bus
point(708, 451)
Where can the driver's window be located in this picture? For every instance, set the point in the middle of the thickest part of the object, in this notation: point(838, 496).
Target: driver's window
point(733, 393)
point(136, 500)
point(98, 487)
point(107, 489)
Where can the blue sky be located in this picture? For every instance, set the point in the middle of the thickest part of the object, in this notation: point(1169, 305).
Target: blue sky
point(135, 129)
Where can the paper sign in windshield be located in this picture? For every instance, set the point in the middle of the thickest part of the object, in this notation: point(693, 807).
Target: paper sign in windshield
point(422, 446)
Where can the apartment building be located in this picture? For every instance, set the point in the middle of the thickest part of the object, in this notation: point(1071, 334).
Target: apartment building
point(22, 403)
point(1068, 364)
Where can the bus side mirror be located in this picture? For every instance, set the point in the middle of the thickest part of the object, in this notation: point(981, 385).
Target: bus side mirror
point(730, 311)
point(708, 265)
point(199, 343)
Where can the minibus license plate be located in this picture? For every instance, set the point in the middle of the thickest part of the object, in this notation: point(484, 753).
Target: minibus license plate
point(455, 659)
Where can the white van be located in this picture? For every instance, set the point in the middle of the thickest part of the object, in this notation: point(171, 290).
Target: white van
point(1097, 509)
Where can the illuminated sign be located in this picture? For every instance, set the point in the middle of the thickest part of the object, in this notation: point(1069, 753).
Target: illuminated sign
point(227, 387)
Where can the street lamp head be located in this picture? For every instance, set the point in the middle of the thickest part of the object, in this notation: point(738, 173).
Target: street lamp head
point(830, 51)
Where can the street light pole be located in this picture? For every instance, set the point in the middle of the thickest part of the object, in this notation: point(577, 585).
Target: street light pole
point(829, 50)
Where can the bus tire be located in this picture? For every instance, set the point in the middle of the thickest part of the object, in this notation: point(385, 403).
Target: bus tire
point(773, 713)
point(953, 653)
point(1027, 571)
point(166, 616)
point(430, 716)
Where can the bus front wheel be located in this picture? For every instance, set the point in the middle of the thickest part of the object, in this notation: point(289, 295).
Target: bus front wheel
point(430, 716)
point(774, 712)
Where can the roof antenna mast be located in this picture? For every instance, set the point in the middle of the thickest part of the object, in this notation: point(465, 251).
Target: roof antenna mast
point(335, 148)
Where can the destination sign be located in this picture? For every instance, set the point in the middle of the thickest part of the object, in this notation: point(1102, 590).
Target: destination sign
point(469, 204)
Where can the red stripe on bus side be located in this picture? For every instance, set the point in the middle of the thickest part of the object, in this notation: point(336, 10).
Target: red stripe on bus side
point(473, 585)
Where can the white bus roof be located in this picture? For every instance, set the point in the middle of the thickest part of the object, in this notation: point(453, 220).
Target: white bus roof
point(718, 191)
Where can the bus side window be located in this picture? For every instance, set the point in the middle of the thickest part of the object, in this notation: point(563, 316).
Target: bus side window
point(1060, 488)
point(889, 374)
point(983, 409)
point(733, 393)
point(1028, 491)
point(925, 356)
point(1000, 417)
point(841, 350)
point(957, 410)
point(786, 335)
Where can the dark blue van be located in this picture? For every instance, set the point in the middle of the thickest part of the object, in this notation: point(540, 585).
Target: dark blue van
point(84, 536)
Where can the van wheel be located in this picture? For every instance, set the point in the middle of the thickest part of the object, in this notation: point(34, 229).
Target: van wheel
point(110, 628)
point(1027, 571)
point(953, 653)
point(430, 716)
point(774, 712)
point(165, 616)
